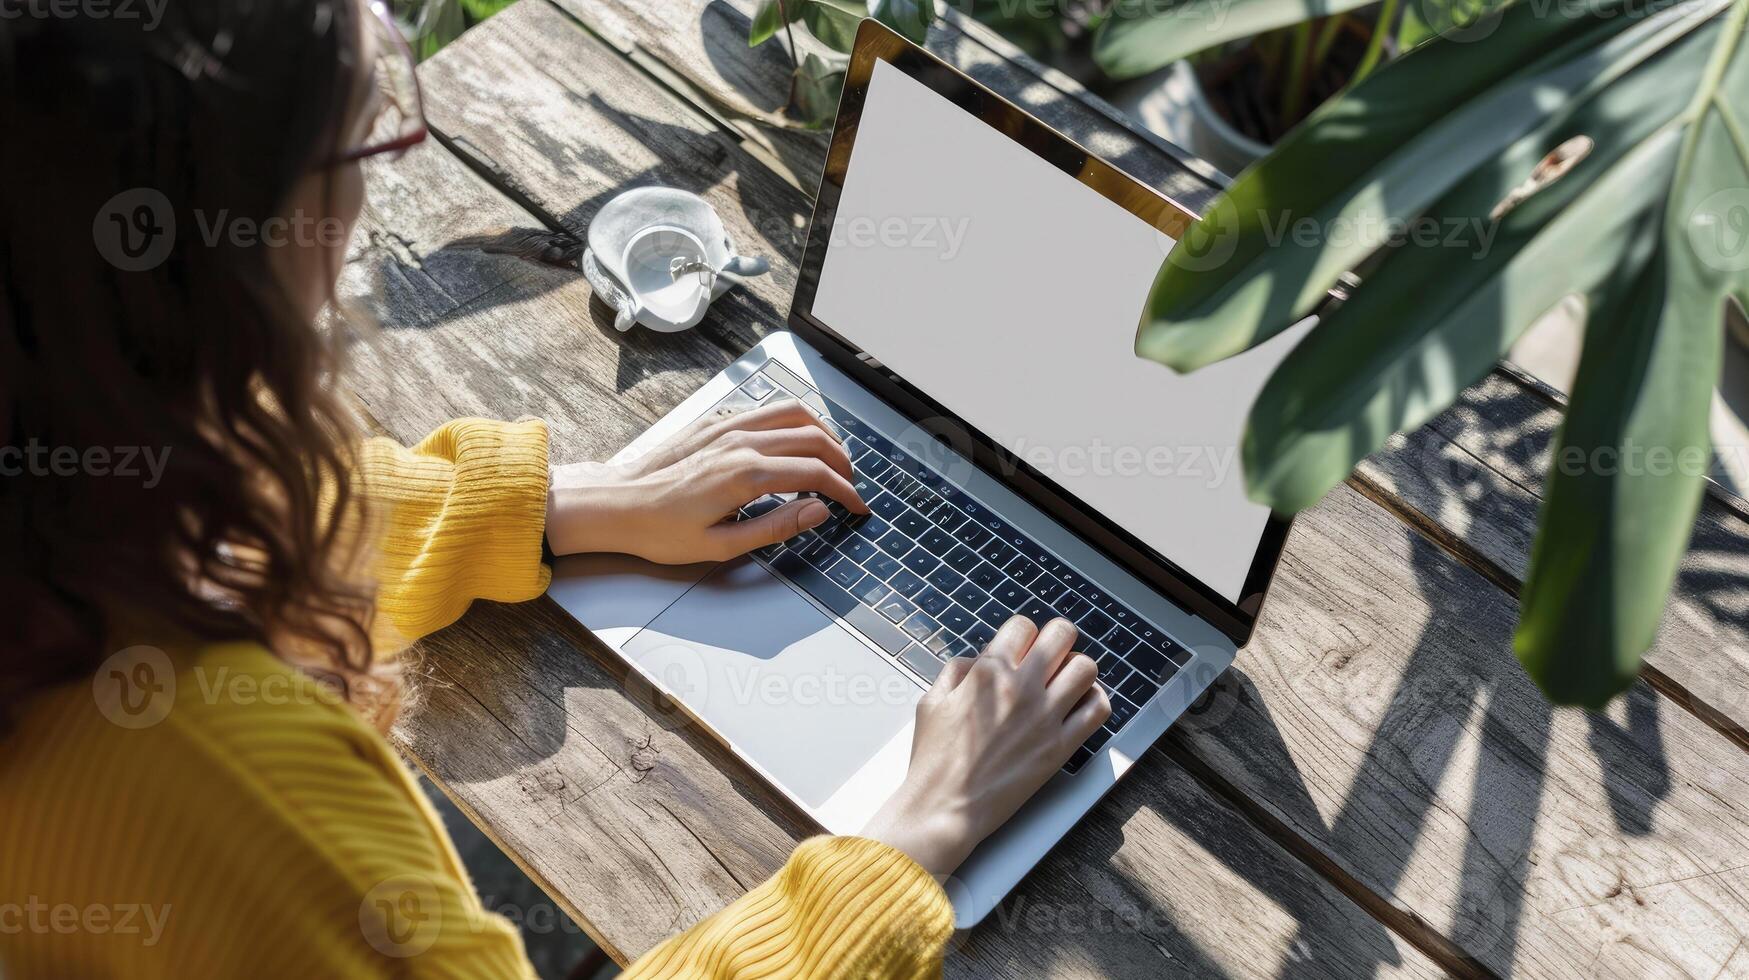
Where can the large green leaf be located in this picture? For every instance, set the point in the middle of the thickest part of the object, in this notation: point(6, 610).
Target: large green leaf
point(1647, 225)
point(1139, 36)
point(1629, 468)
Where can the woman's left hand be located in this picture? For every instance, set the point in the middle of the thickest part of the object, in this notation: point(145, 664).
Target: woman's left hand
point(672, 504)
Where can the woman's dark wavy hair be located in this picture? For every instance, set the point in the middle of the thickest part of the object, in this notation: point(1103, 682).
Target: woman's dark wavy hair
point(220, 107)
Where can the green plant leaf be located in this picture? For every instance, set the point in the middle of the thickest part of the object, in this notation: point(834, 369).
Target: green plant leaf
point(818, 83)
point(909, 17)
point(769, 19)
point(1139, 36)
point(833, 21)
point(1647, 220)
point(1614, 527)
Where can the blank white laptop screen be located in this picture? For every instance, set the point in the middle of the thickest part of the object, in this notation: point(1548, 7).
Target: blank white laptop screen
point(1009, 292)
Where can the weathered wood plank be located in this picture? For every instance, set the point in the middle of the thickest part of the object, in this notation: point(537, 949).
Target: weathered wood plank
point(704, 43)
point(636, 824)
point(1474, 476)
point(1379, 716)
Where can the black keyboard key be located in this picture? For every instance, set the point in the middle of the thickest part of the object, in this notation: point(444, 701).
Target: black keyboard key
point(1112, 671)
point(872, 528)
point(870, 590)
point(1152, 662)
point(887, 506)
point(1094, 624)
point(894, 543)
point(920, 625)
point(962, 558)
point(844, 572)
point(883, 565)
point(896, 609)
point(969, 595)
point(912, 523)
point(996, 553)
point(865, 487)
point(1073, 606)
point(857, 548)
point(1121, 712)
point(1037, 611)
point(875, 466)
point(906, 583)
point(948, 519)
point(994, 613)
point(980, 635)
point(874, 626)
point(945, 579)
point(922, 661)
point(1047, 588)
point(1137, 688)
point(972, 535)
point(932, 601)
point(957, 620)
point(920, 561)
point(1009, 593)
point(986, 576)
point(1097, 740)
point(1180, 656)
point(1022, 570)
point(1121, 640)
point(1080, 758)
point(937, 542)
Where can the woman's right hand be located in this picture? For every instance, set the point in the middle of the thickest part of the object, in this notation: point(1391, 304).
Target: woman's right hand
point(990, 732)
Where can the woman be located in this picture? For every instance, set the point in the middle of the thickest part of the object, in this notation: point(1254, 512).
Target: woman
point(163, 812)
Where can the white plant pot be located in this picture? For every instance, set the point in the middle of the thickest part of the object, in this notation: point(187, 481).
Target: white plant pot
point(1172, 103)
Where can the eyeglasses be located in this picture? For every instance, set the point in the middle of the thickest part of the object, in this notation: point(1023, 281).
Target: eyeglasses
point(399, 122)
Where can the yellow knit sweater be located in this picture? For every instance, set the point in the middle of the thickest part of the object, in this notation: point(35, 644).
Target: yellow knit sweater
point(206, 811)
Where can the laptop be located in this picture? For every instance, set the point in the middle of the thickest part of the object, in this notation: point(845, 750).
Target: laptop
point(964, 319)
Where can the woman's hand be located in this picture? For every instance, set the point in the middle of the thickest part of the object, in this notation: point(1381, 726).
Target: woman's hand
point(670, 504)
point(990, 732)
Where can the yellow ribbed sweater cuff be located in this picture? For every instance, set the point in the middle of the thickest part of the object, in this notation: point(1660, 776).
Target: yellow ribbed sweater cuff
point(456, 518)
point(841, 907)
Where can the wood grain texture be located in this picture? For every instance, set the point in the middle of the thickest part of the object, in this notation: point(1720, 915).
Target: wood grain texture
point(704, 43)
point(1379, 729)
point(1475, 475)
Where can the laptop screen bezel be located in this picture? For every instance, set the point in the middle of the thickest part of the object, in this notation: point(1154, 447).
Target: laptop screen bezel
point(877, 43)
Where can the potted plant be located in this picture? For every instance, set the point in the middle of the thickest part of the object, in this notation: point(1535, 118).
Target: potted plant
point(1225, 81)
point(818, 77)
point(1600, 150)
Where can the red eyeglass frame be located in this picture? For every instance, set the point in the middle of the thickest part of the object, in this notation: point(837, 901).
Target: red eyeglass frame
point(399, 144)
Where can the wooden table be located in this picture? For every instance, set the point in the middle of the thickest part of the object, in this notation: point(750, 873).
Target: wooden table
point(1375, 789)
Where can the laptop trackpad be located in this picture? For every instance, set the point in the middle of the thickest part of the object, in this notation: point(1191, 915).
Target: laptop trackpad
point(776, 678)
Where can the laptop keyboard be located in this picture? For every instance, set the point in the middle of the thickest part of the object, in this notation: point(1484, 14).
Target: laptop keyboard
point(931, 573)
